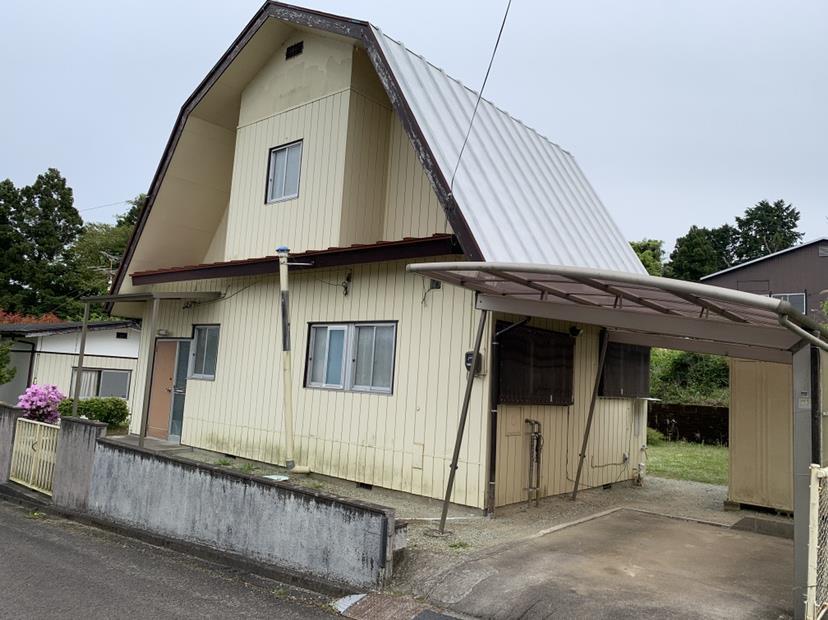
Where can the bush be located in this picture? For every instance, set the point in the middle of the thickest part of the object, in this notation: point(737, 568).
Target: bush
point(689, 378)
point(111, 410)
point(41, 403)
point(654, 437)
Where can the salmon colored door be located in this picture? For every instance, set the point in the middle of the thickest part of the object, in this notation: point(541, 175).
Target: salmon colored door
point(161, 391)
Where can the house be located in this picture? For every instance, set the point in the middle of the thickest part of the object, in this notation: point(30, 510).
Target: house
point(323, 134)
point(47, 353)
point(761, 415)
point(797, 275)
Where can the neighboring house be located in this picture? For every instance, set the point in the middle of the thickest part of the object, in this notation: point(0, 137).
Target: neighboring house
point(323, 134)
point(47, 353)
point(798, 275)
point(761, 413)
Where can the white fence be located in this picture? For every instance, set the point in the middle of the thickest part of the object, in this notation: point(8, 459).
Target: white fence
point(33, 455)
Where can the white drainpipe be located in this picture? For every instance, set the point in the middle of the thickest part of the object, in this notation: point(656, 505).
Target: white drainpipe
point(287, 387)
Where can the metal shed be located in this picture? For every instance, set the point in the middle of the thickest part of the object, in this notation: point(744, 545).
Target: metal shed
point(652, 311)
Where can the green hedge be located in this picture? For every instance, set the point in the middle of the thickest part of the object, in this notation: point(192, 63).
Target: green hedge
point(111, 410)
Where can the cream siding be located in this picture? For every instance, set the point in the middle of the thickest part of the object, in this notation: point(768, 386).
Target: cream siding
point(56, 369)
point(411, 206)
point(760, 434)
point(401, 441)
point(365, 171)
point(619, 427)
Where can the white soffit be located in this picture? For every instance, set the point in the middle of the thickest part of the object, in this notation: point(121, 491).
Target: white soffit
point(525, 199)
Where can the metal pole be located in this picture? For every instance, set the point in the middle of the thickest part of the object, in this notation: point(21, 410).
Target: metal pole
point(150, 328)
point(601, 359)
point(81, 351)
point(802, 454)
point(287, 387)
point(458, 442)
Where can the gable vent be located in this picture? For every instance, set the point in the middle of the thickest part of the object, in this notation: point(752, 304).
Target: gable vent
point(294, 50)
point(823, 250)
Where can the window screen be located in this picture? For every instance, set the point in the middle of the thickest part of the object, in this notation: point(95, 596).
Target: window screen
point(204, 353)
point(536, 366)
point(626, 371)
point(283, 172)
point(797, 300)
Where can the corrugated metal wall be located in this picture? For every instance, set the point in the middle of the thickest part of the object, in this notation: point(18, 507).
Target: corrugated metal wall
point(619, 427)
point(56, 369)
point(760, 435)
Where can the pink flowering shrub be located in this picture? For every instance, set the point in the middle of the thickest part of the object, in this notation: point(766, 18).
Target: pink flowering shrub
point(41, 403)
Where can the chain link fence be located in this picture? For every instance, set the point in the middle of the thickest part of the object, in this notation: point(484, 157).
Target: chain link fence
point(817, 596)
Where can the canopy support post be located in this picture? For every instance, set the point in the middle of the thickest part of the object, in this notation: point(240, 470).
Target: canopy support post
point(463, 415)
point(807, 449)
point(603, 338)
point(150, 327)
point(81, 352)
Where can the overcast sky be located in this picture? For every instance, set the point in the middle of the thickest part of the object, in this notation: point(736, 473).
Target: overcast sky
point(679, 112)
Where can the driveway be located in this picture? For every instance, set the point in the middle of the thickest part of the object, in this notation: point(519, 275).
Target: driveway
point(626, 564)
point(53, 568)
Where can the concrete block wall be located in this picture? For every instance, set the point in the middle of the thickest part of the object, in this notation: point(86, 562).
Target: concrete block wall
point(8, 422)
point(338, 541)
point(74, 462)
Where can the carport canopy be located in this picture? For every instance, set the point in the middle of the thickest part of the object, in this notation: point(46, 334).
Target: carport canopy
point(639, 309)
point(661, 312)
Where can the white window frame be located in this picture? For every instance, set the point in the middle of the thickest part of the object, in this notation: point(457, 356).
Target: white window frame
point(271, 174)
point(349, 352)
point(787, 297)
point(98, 372)
point(191, 374)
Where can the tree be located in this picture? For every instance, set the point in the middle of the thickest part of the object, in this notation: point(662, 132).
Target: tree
point(689, 378)
point(767, 228)
point(7, 371)
point(130, 218)
point(100, 248)
point(40, 224)
point(651, 254)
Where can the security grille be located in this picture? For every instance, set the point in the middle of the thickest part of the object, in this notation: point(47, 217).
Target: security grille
point(817, 596)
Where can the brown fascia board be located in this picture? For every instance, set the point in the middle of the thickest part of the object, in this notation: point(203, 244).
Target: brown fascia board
point(438, 245)
point(355, 29)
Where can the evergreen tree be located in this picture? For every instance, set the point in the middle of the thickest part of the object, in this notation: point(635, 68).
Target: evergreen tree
point(767, 228)
point(694, 256)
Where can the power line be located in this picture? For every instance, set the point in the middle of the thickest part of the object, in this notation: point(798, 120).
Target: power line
point(480, 95)
point(111, 204)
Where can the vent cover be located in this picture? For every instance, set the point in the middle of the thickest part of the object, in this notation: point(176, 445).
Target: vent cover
point(294, 50)
point(823, 250)
point(121, 335)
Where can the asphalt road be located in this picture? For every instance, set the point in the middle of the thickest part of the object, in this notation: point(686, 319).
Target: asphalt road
point(55, 568)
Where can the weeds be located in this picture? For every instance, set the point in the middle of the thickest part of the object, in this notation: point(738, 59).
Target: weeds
point(248, 468)
point(223, 462)
point(460, 544)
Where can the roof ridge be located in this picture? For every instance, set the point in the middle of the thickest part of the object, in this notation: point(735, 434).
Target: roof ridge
point(471, 90)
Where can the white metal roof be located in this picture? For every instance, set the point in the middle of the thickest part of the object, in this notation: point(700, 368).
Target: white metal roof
point(639, 308)
point(767, 256)
point(525, 199)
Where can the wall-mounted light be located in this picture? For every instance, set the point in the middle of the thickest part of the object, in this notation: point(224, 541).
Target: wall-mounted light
point(163, 332)
point(575, 331)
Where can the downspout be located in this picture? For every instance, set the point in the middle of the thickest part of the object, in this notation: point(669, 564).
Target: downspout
point(494, 399)
point(287, 387)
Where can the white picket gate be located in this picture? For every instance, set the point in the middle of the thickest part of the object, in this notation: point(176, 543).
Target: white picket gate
point(33, 455)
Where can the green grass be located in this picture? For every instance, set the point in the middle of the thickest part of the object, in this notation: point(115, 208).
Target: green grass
point(688, 461)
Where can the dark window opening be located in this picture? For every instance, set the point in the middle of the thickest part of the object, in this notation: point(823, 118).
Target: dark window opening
point(626, 371)
point(294, 50)
point(536, 366)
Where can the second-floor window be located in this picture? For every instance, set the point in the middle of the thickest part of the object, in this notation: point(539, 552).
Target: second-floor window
point(283, 169)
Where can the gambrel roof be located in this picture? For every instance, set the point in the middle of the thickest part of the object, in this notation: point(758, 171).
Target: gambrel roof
point(516, 195)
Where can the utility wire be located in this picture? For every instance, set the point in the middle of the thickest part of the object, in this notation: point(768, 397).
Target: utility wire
point(480, 95)
point(111, 204)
